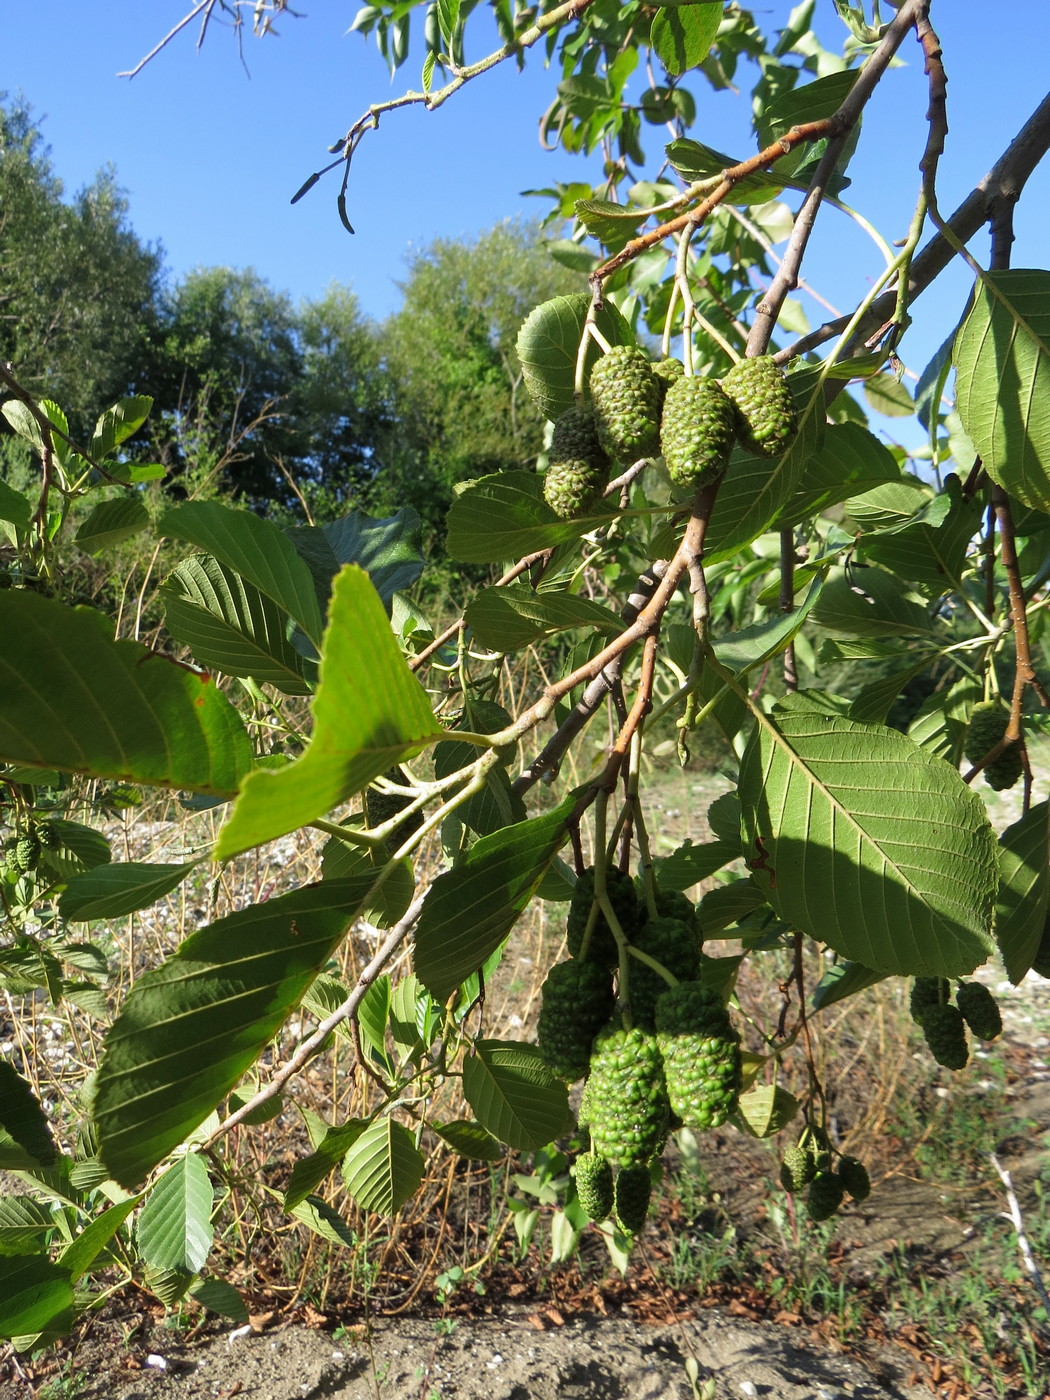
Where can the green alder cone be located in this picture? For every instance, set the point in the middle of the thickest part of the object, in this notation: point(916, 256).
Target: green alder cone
point(48, 836)
point(578, 470)
point(601, 946)
point(797, 1169)
point(571, 487)
point(625, 1098)
point(696, 431)
point(667, 371)
point(980, 1010)
point(576, 1002)
point(854, 1176)
point(675, 945)
point(701, 1055)
point(626, 397)
point(673, 904)
point(988, 723)
point(766, 417)
point(826, 1193)
point(632, 1195)
point(945, 1032)
point(26, 852)
point(926, 992)
point(594, 1185)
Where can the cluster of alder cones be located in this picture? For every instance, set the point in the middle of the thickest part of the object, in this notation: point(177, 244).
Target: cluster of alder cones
point(640, 409)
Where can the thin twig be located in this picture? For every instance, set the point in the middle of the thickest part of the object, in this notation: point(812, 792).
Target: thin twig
point(1017, 1220)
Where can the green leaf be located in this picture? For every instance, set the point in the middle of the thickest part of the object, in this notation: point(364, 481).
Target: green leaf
point(694, 162)
point(318, 1216)
point(887, 395)
point(808, 103)
point(369, 713)
point(1002, 380)
point(505, 619)
point(341, 861)
point(112, 891)
point(73, 698)
point(870, 603)
point(753, 646)
point(871, 845)
point(80, 848)
point(21, 1117)
point(690, 864)
point(470, 1140)
point(470, 910)
point(190, 1029)
point(851, 460)
point(892, 506)
point(254, 548)
point(682, 36)
point(35, 1296)
point(941, 721)
point(756, 490)
point(843, 980)
point(388, 550)
point(24, 424)
point(24, 1221)
point(549, 341)
point(504, 516)
point(14, 507)
point(1024, 890)
point(118, 423)
point(766, 1109)
point(220, 1297)
point(931, 556)
point(230, 626)
point(81, 1253)
point(112, 521)
point(514, 1095)
point(174, 1228)
point(309, 1172)
point(384, 1168)
point(728, 904)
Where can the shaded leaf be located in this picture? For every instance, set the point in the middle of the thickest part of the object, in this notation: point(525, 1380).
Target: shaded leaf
point(682, 35)
point(388, 550)
point(73, 698)
point(318, 1216)
point(79, 1255)
point(470, 1140)
point(21, 1117)
point(843, 980)
point(111, 891)
point(35, 1296)
point(110, 522)
point(254, 548)
point(220, 1297)
point(504, 516)
point(469, 910)
point(229, 625)
point(516, 615)
point(190, 1029)
point(548, 343)
point(1024, 890)
point(514, 1095)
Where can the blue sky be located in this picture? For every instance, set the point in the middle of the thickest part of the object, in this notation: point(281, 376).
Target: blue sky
point(210, 155)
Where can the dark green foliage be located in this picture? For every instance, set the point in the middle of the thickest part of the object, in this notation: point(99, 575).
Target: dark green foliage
point(1041, 961)
point(854, 1176)
point(696, 431)
point(594, 1185)
point(632, 1195)
point(797, 1169)
point(601, 947)
point(701, 1054)
point(926, 992)
point(979, 1009)
point(988, 724)
point(945, 1032)
point(674, 944)
point(625, 1098)
point(626, 397)
point(576, 1002)
point(826, 1193)
point(766, 417)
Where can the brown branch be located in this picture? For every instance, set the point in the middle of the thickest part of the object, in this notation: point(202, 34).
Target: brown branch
point(515, 571)
point(1006, 179)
